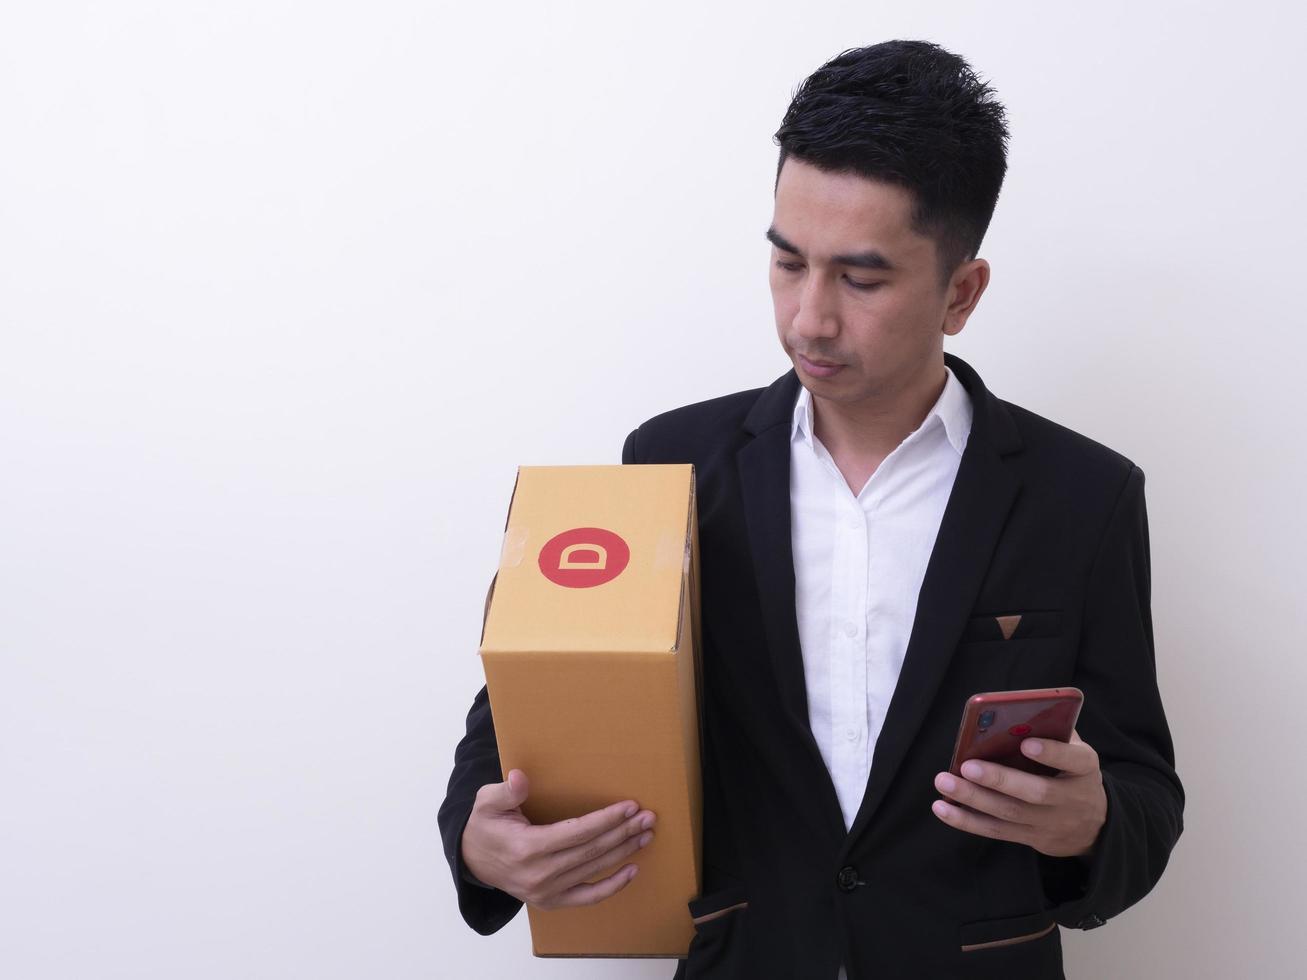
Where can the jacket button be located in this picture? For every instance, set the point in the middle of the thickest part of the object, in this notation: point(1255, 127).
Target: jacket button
point(847, 879)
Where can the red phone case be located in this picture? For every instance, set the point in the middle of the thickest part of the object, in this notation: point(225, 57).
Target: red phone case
point(994, 725)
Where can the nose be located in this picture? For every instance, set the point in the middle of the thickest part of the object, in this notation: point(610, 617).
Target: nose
point(815, 316)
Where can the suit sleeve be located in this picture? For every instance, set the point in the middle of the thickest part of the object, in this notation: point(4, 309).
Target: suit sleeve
point(476, 762)
point(628, 448)
point(1123, 720)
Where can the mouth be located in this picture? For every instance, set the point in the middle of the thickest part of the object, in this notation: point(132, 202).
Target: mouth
point(824, 364)
point(818, 369)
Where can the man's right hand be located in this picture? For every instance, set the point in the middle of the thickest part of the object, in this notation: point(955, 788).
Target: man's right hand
point(549, 866)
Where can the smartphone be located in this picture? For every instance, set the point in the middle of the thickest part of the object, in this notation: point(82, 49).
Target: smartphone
point(994, 724)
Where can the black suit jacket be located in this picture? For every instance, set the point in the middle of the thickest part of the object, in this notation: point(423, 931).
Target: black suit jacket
point(1040, 520)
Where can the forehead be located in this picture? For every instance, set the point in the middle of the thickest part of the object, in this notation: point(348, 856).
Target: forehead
point(826, 214)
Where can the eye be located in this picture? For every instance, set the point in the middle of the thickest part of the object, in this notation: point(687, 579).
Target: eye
point(862, 287)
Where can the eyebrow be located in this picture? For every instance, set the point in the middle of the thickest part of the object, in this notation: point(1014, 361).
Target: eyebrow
point(870, 259)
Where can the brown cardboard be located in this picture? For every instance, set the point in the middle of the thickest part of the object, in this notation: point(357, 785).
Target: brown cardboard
point(594, 685)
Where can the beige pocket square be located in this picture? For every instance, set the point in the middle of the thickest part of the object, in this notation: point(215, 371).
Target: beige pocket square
point(1008, 624)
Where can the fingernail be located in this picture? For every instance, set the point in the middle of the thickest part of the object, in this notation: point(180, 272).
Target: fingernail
point(940, 808)
point(972, 769)
point(647, 821)
point(630, 810)
point(945, 783)
point(1032, 747)
point(646, 837)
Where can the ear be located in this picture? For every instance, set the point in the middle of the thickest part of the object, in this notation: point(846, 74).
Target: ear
point(965, 287)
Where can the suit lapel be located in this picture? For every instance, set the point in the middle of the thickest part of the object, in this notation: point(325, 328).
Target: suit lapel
point(983, 493)
point(764, 470)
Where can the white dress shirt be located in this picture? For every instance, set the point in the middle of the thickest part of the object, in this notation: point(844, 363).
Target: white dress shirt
point(859, 561)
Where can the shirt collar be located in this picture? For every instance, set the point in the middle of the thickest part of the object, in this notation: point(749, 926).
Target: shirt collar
point(952, 408)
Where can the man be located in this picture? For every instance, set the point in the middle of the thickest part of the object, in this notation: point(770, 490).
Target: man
point(881, 537)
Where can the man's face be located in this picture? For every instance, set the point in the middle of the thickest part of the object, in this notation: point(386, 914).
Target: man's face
point(852, 284)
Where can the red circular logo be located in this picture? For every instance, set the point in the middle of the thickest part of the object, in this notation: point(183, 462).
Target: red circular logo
point(584, 557)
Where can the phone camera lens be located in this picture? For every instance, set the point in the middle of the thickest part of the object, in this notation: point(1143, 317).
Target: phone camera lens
point(986, 719)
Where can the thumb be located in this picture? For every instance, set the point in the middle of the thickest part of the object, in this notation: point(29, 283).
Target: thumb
point(512, 791)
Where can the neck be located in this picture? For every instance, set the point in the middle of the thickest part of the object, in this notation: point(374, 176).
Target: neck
point(870, 429)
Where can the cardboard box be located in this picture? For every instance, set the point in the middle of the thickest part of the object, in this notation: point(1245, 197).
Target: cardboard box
point(590, 650)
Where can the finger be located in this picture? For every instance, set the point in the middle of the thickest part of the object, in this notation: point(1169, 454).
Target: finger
point(1024, 786)
point(600, 864)
point(562, 862)
point(1076, 758)
point(980, 824)
point(553, 837)
point(985, 800)
point(591, 892)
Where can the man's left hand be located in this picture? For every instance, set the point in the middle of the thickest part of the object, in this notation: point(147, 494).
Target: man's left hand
point(1056, 815)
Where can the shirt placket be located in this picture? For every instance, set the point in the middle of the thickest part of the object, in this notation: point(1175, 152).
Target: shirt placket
point(855, 606)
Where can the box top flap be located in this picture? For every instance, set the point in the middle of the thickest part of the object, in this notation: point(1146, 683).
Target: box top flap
point(593, 559)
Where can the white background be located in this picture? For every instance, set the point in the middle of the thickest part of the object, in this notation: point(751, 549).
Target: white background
point(289, 290)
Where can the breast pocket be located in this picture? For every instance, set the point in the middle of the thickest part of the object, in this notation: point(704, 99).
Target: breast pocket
point(1007, 627)
point(1015, 649)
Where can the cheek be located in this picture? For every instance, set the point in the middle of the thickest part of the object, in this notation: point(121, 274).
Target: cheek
point(899, 317)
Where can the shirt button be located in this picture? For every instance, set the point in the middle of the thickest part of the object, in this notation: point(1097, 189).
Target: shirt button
point(850, 629)
point(850, 733)
point(855, 523)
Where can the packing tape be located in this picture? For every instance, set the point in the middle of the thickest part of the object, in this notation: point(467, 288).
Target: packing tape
point(671, 551)
point(514, 547)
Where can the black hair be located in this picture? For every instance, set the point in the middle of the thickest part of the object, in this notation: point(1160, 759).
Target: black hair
point(913, 114)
